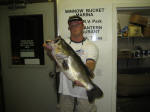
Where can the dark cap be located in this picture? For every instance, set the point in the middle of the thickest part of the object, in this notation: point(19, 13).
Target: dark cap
point(74, 18)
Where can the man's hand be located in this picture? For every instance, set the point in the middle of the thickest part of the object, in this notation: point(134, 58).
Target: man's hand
point(48, 50)
point(78, 83)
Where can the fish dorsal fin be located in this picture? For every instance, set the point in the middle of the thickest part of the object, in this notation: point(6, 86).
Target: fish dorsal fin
point(59, 36)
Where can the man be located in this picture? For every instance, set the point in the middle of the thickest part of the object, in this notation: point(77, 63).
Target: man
point(74, 99)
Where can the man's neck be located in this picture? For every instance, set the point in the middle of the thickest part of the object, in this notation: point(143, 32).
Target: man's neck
point(77, 39)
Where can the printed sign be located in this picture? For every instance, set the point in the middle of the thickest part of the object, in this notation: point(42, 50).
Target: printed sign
point(93, 21)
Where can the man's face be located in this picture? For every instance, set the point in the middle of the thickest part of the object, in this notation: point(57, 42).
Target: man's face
point(76, 28)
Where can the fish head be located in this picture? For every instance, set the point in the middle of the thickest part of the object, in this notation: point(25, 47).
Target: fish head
point(57, 46)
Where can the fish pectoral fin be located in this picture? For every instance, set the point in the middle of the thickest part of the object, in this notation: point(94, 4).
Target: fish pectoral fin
point(92, 75)
point(65, 64)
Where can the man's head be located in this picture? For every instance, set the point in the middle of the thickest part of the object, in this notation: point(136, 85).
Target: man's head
point(76, 25)
point(75, 20)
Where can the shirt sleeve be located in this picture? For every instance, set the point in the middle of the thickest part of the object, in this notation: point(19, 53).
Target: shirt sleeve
point(92, 52)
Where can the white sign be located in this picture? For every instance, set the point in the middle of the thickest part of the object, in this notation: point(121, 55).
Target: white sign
point(27, 54)
point(32, 61)
point(93, 21)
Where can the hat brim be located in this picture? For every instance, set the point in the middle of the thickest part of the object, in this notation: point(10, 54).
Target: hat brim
point(75, 23)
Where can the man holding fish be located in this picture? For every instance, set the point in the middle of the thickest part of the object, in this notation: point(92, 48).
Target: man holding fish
point(76, 57)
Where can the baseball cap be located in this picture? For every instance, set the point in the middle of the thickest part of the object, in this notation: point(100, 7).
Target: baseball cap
point(75, 20)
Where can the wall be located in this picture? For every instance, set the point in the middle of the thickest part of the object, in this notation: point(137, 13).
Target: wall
point(1, 105)
point(1, 96)
point(104, 65)
point(107, 64)
point(123, 19)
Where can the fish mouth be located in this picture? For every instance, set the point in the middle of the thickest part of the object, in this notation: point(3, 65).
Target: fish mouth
point(48, 44)
point(48, 41)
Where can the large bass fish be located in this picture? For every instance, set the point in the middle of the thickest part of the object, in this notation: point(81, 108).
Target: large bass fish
point(72, 66)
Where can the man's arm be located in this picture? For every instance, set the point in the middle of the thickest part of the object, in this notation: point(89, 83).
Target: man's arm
point(90, 63)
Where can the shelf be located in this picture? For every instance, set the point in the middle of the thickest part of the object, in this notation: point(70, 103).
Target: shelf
point(135, 58)
point(133, 37)
point(138, 70)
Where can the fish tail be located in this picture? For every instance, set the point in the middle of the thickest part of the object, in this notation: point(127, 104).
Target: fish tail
point(94, 93)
